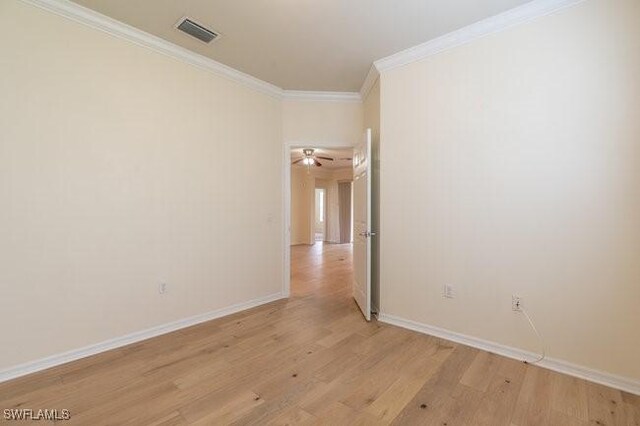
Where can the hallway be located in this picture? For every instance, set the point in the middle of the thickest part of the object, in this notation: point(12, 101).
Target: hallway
point(312, 359)
point(321, 269)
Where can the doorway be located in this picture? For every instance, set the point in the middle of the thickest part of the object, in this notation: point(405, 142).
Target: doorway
point(320, 214)
point(318, 218)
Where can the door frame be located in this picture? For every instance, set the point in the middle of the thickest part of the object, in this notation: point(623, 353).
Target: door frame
point(367, 232)
point(286, 201)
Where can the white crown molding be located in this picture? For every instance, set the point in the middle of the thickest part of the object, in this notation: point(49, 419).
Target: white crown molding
point(494, 24)
point(564, 367)
point(91, 18)
point(303, 95)
point(121, 30)
point(369, 81)
point(63, 358)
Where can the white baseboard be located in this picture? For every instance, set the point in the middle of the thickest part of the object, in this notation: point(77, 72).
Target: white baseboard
point(603, 378)
point(63, 358)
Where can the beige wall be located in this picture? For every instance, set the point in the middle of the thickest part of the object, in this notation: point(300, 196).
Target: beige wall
point(320, 225)
point(303, 186)
point(333, 212)
point(309, 122)
point(512, 166)
point(329, 179)
point(325, 227)
point(302, 204)
point(121, 168)
point(371, 113)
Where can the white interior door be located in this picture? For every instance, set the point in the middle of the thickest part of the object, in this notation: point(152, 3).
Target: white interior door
point(362, 225)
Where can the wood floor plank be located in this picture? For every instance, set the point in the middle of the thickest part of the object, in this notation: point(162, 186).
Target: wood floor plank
point(428, 404)
point(226, 413)
point(606, 406)
point(557, 418)
point(498, 403)
point(632, 413)
point(533, 406)
point(480, 374)
point(569, 396)
point(293, 417)
point(312, 359)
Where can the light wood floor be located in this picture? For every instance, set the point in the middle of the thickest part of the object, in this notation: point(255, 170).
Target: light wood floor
point(313, 360)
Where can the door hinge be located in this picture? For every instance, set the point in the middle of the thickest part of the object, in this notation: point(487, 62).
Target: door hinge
point(367, 234)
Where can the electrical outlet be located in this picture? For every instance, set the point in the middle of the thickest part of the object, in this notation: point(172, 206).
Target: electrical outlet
point(516, 303)
point(447, 291)
point(163, 288)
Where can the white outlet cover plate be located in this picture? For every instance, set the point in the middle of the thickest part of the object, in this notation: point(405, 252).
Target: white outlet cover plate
point(514, 303)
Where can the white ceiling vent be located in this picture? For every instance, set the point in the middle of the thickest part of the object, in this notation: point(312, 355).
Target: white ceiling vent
point(194, 29)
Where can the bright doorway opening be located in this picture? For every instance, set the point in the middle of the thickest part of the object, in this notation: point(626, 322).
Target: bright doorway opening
point(320, 215)
point(320, 221)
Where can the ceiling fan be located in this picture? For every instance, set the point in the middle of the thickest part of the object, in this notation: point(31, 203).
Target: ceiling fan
point(310, 159)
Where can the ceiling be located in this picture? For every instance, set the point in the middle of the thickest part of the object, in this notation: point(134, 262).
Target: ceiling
point(324, 45)
point(339, 158)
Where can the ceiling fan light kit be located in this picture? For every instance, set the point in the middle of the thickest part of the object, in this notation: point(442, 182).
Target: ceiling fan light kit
point(310, 159)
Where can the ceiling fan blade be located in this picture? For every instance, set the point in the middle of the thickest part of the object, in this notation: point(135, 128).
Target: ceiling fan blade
point(324, 158)
point(317, 163)
point(297, 161)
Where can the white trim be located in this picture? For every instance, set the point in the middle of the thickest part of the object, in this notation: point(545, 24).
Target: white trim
point(304, 95)
point(63, 358)
point(121, 30)
point(93, 19)
point(601, 377)
point(369, 81)
point(494, 24)
point(98, 21)
point(286, 220)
